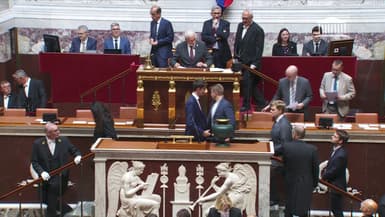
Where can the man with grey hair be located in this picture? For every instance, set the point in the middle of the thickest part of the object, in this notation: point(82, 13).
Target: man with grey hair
point(295, 91)
point(83, 42)
point(161, 38)
point(301, 173)
point(116, 41)
point(31, 94)
point(191, 53)
point(248, 49)
point(215, 32)
point(7, 98)
point(48, 154)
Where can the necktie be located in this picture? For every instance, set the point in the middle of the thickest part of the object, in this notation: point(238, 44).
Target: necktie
point(292, 92)
point(156, 30)
point(191, 53)
point(335, 83)
point(116, 44)
point(316, 47)
point(83, 47)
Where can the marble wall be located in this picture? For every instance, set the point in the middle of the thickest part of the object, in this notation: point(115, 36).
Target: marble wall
point(362, 20)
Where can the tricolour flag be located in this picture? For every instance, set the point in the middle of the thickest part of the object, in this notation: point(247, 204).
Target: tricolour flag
point(224, 3)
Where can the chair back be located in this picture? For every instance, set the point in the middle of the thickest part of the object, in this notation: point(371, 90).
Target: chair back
point(367, 118)
point(127, 113)
point(14, 112)
point(295, 117)
point(260, 120)
point(322, 115)
point(84, 113)
point(41, 111)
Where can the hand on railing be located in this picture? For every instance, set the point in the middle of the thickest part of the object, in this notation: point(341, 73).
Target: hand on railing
point(45, 176)
point(77, 159)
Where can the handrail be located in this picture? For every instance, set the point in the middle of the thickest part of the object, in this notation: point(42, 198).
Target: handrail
point(52, 173)
point(106, 82)
point(351, 196)
point(260, 74)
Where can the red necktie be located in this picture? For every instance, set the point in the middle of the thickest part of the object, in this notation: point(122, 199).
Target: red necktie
point(191, 53)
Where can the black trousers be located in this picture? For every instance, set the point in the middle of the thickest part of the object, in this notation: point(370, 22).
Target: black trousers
point(52, 192)
point(250, 90)
point(336, 204)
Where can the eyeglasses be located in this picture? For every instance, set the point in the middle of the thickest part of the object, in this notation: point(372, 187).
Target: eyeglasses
point(115, 29)
point(216, 12)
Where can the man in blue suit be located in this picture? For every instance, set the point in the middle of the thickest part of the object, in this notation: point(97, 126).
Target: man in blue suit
point(221, 108)
point(215, 33)
point(196, 124)
point(116, 41)
point(82, 43)
point(161, 37)
point(335, 171)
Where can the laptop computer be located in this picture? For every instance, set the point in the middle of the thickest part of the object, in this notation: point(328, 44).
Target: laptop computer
point(112, 51)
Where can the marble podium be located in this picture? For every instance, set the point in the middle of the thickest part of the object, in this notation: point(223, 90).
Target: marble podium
point(184, 174)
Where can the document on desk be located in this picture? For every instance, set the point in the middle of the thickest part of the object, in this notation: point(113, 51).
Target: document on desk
point(151, 181)
point(331, 96)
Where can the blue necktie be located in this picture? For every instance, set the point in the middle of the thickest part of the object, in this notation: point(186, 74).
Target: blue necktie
point(335, 83)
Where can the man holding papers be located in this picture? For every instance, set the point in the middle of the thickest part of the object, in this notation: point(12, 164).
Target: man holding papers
point(336, 90)
point(295, 91)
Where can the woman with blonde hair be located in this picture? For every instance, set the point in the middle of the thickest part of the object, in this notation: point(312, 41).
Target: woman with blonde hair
point(224, 208)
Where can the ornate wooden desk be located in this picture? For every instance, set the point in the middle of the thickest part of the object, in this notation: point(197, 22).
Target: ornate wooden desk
point(161, 93)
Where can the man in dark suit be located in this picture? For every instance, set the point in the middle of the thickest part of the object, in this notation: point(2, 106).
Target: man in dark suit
point(335, 171)
point(116, 41)
point(31, 94)
point(7, 98)
point(82, 43)
point(191, 53)
point(215, 33)
point(248, 48)
point(301, 173)
point(295, 91)
point(161, 38)
point(221, 108)
point(196, 122)
point(50, 153)
point(317, 46)
point(281, 133)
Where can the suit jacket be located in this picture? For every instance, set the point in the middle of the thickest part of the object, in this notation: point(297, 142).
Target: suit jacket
point(308, 48)
point(280, 134)
point(125, 45)
point(301, 175)
point(37, 97)
point(249, 49)
point(224, 110)
point(303, 92)
point(75, 44)
point(42, 158)
point(183, 57)
point(195, 119)
point(234, 212)
point(165, 37)
point(279, 50)
point(12, 101)
point(346, 91)
point(210, 36)
point(335, 171)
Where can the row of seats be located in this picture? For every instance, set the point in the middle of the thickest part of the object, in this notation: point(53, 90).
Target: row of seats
point(124, 112)
point(362, 118)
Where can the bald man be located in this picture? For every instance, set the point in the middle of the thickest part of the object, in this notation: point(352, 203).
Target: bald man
point(50, 153)
point(295, 91)
point(368, 207)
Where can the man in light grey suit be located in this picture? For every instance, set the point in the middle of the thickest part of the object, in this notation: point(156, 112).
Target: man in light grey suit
point(295, 91)
point(317, 46)
point(191, 53)
point(337, 81)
